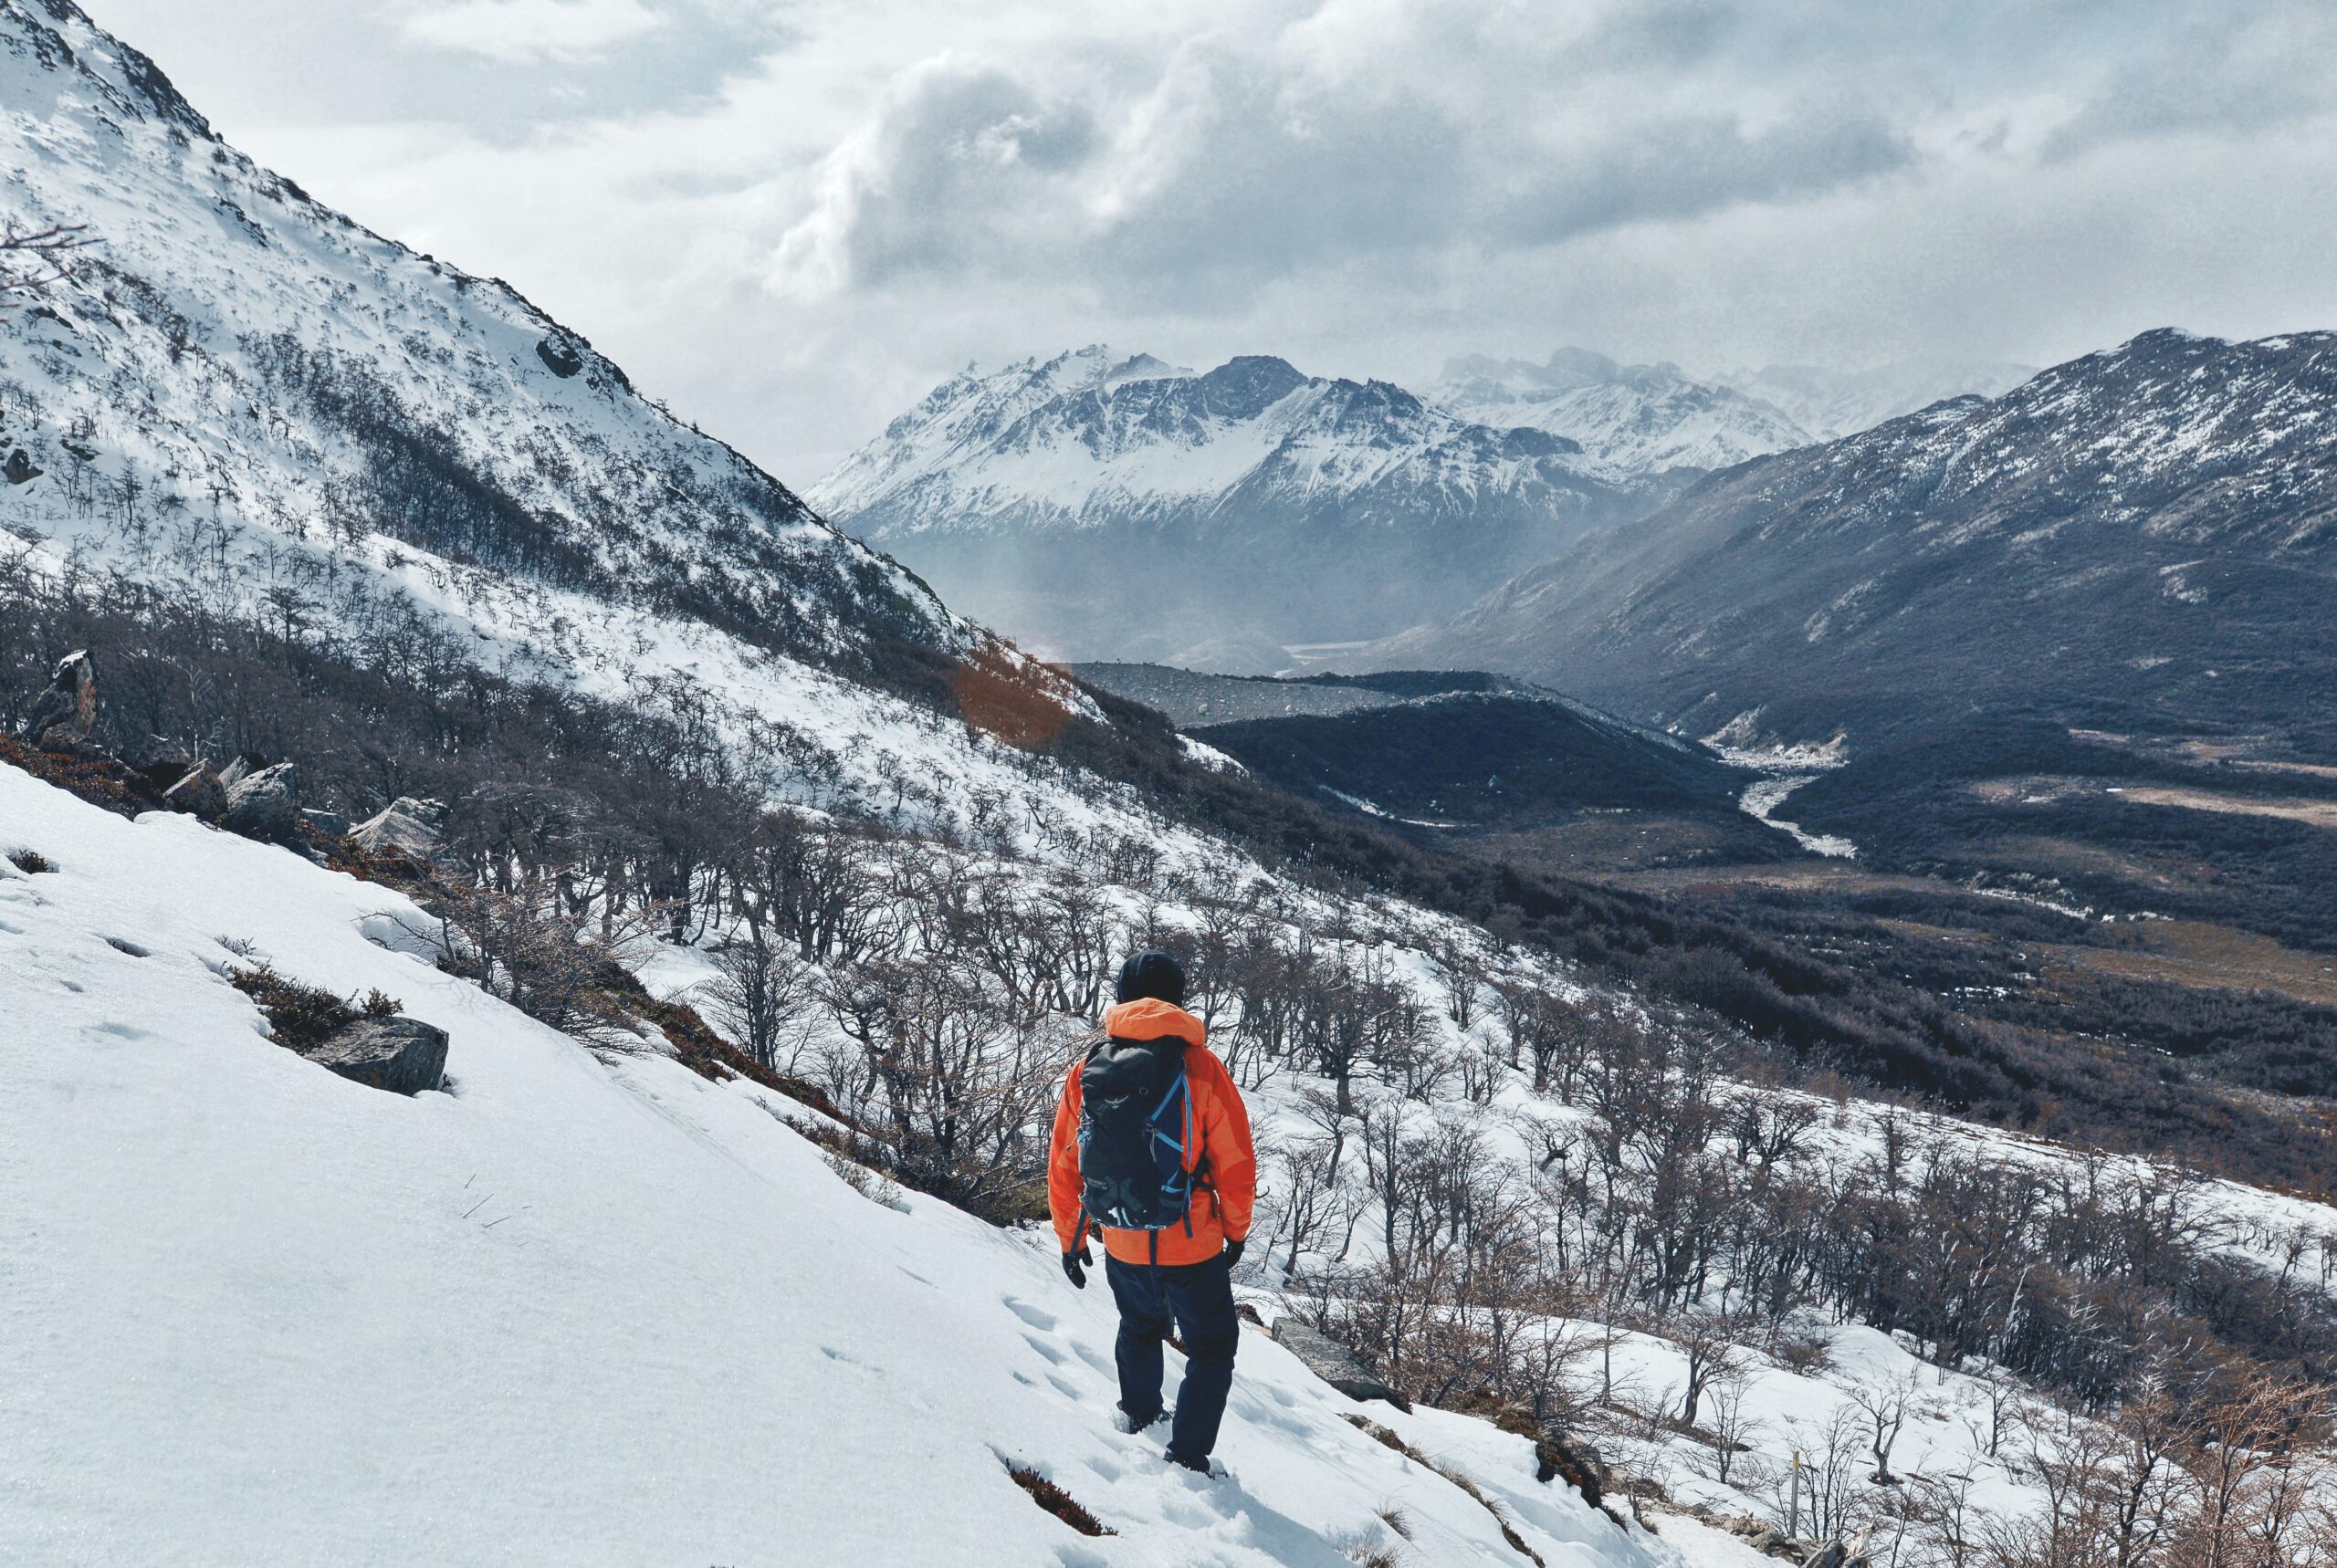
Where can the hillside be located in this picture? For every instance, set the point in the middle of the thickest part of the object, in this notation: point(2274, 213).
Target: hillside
point(1259, 501)
point(565, 1310)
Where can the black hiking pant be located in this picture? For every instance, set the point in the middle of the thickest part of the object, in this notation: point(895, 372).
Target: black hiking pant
point(1199, 1298)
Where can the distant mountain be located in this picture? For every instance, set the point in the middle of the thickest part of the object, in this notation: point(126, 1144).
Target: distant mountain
point(2146, 535)
point(1109, 506)
point(1829, 403)
point(1642, 418)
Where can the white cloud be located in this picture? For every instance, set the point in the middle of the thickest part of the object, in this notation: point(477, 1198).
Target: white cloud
point(523, 31)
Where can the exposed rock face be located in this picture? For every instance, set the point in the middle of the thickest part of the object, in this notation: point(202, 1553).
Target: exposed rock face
point(20, 469)
point(232, 774)
point(332, 824)
point(560, 357)
point(199, 794)
point(405, 826)
point(264, 805)
point(63, 713)
point(402, 1055)
point(1334, 1363)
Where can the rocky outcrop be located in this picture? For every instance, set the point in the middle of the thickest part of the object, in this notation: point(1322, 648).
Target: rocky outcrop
point(199, 794)
point(402, 1055)
point(405, 826)
point(1334, 1363)
point(265, 804)
point(164, 762)
point(560, 355)
point(63, 713)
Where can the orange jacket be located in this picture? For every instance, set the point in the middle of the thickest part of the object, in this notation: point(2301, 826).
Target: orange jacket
point(1221, 1211)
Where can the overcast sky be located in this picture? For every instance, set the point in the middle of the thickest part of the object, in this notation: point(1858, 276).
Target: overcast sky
point(790, 218)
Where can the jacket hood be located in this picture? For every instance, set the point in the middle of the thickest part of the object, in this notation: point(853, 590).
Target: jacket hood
point(1149, 1017)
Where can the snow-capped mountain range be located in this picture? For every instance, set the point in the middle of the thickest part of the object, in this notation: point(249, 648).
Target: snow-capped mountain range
point(1107, 505)
point(1266, 506)
point(2153, 526)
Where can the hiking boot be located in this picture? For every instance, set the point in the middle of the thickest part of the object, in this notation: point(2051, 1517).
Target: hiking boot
point(1213, 1469)
point(1124, 1422)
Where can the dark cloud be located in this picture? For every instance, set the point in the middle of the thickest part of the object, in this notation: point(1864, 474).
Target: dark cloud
point(1682, 168)
point(957, 175)
point(2242, 72)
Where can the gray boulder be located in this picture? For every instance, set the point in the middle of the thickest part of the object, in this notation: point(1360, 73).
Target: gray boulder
point(332, 824)
point(162, 761)
point(67, 707)
point(405, 826)
point(403, 1055)
point(235, 772)
point(264, 805)
point(1334, 1363)
point(199, 794)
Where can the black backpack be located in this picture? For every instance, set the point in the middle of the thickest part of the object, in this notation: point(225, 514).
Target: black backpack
point(1134, 1104)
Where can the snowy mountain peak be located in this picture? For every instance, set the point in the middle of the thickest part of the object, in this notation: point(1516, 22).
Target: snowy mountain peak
point(1642, 419)
point(64, 42)
point(1255, 490)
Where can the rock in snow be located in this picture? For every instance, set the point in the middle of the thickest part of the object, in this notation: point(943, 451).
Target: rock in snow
point(1334, 1363)
point(403, 1055)
point(265, 804)
point(199, 794)
point(63, 713)
point(405, 826)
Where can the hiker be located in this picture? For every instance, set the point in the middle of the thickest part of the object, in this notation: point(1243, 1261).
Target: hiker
point(1152, 1146)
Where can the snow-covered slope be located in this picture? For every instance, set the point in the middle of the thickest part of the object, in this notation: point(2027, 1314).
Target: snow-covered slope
point(565, 1312)
point(1251, 498)
point(236, 366)
point(1642, 418)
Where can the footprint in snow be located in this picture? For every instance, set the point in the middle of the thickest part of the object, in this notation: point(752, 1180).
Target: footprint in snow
point(1044, 1322)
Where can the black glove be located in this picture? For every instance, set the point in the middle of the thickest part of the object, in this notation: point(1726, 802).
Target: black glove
point(1075, 1265)
point(1233, 1253)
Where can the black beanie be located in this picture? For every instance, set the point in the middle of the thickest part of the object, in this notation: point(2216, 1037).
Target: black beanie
point(1155, 974)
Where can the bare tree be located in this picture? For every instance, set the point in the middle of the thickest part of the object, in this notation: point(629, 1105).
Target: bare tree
point(763, 996)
